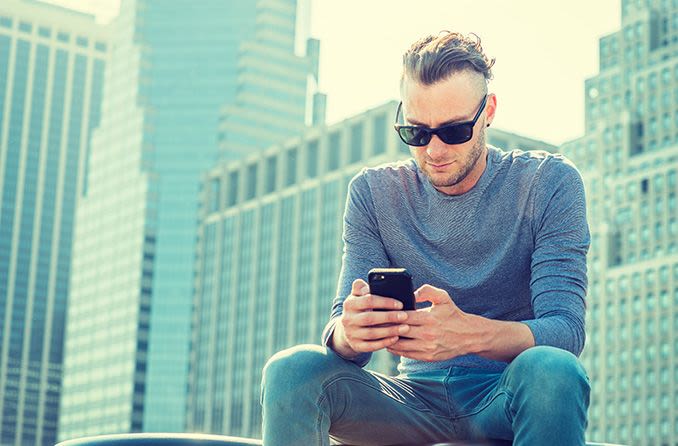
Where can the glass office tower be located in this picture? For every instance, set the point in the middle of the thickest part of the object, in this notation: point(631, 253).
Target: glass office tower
point(268, 259)
point(629, 160)
point(177, 68)
point(51, 77)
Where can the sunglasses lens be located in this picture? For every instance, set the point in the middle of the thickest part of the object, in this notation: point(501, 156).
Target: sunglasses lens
point(415, 136)
point(456, 134)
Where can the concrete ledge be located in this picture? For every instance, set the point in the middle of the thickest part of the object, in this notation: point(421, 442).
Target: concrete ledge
point(220, 440)
point(160, 439)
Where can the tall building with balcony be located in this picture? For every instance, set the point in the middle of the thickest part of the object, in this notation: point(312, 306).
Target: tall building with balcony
point(269, 255)
point(51, 79)
point(178, 69)
point(629, 161)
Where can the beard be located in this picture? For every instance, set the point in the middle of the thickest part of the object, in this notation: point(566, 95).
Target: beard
point(467, 164)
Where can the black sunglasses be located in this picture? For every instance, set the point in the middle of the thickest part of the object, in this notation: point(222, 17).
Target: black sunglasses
point(456, 133)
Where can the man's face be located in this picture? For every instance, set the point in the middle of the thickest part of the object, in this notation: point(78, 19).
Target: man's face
point(452, 168)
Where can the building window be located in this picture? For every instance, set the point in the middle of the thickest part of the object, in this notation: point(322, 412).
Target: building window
point(334, 151)
point(44, 32)
point(251, 182)
point(312, 159)
point(215, 186)
point(25, 27)
point(650, 278)
point(665, 428)
point(81, 41)
point(665, 401)
point(271, 173)
point(640, 85)
point(664, 352)
point(653, 81)
point(233, 180)
point(63, 37)
point(291, 167)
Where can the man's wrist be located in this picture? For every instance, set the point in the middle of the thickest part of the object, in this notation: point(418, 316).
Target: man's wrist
point(502, 340)
point(484, 339)
point(339, 344)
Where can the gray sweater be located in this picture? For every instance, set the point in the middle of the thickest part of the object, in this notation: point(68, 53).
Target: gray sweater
point(512, 248)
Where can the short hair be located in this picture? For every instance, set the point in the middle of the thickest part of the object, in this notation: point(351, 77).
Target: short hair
point(434, 58)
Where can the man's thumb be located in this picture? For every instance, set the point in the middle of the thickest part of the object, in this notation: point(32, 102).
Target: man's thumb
point(360, 288)
point(432, 294)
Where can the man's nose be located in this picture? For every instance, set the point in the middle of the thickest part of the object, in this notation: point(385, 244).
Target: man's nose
point(436, 148)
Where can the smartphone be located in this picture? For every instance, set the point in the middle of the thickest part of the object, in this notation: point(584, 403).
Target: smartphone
point(392, 282)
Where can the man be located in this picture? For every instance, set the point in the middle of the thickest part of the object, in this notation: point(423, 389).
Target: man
point(496, 243)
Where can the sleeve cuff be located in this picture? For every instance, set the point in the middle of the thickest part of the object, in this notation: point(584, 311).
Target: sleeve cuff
point(361, 360)
point(554, 333)
point(537, 332)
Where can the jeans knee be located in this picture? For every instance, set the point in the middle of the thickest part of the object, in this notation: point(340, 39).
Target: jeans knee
point(549, 373)
point(299, 367)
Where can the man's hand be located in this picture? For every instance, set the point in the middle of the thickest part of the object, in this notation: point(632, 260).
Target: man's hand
point(360, 329)
point(443, 331)
point(439, 332)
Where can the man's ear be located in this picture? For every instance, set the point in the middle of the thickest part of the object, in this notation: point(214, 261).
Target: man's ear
point(490, 108)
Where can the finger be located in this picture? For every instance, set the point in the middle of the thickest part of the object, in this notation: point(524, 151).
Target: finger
point(375, 333)
point(429, 293)
point(419, 356)
point(369, 318)
point(374, 302)
point(419, 317)
point(408, 345)
point(360, 288)
point(417, 333)
point(373, 346)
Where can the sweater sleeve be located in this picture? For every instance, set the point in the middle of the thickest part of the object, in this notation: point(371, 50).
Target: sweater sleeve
point(363, 250)
point(558, 267)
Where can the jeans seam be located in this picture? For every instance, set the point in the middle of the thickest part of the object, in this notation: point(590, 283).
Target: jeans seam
point(508, 408)
point(483, 407)
point(352, 378)
point(318, 420)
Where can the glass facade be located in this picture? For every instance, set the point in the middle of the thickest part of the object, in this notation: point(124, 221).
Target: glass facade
point(629, 159)
point(53, 97)
point(176, 71)
point(273, 84)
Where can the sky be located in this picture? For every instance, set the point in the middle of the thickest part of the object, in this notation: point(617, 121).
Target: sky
point(544, 51)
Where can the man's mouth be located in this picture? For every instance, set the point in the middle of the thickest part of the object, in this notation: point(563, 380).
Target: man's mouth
point(440, 166)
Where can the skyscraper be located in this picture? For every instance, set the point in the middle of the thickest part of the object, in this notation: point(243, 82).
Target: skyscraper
point(269, 256)
point(273, 85)
point(51, 77)
point(629, 161)
point(177, 69)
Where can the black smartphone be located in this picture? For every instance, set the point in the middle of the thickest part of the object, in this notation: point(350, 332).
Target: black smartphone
point(392, 282)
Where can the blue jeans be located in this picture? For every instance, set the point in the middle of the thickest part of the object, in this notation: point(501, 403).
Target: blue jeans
point(309, 394)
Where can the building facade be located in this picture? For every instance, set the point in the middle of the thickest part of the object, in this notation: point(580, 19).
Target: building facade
point(51, 79)
point(629, 161)
point(275, 88)
point(175, 65)
point(269, 255)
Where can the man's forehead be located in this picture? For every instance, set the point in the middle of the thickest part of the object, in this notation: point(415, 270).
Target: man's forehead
point(440, 103)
